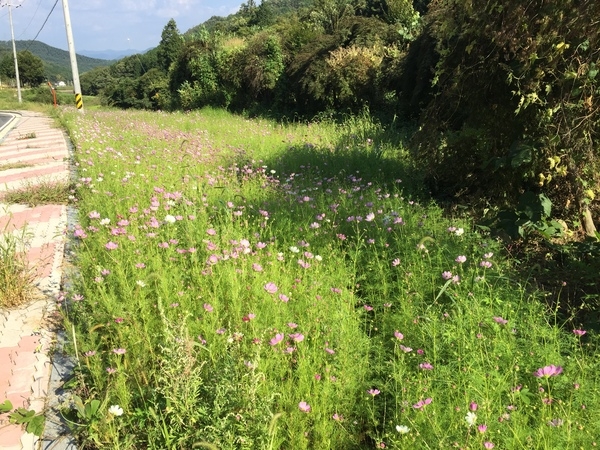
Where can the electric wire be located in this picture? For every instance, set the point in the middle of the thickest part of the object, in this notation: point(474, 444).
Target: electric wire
point(31, 20)
point(43, 25)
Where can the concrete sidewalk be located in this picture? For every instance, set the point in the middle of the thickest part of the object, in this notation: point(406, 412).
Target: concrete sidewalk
point(27, 333)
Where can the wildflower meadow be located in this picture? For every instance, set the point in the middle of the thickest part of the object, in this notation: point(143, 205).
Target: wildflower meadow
point(246, 284)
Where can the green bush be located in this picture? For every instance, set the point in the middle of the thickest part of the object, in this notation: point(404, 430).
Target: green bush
point(516, 104)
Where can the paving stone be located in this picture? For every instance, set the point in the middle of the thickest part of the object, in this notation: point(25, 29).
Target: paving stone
point(29, 441)
point(28, 344)
point(10, 437)
point(24, 340)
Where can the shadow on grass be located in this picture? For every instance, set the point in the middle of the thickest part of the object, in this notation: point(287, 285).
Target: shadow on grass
point(566, 275)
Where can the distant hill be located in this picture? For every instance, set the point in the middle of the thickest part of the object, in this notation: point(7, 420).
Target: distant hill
point(57, 62)
point(111, 55)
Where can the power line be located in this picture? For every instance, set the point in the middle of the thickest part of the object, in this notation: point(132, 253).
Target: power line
point(44, 24)
point(32, 17)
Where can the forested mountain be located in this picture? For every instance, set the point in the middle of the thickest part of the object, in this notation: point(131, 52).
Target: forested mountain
point(57, 63)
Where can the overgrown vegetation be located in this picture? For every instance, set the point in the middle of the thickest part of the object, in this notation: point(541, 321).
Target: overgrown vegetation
point(291, 287)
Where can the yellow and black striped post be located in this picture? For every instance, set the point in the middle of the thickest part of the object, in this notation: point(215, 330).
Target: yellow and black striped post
point(79, 101)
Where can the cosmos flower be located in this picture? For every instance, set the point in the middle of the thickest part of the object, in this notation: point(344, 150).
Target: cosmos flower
point(548, 371)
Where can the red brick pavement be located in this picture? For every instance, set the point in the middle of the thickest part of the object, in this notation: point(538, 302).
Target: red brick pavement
point(24, 337)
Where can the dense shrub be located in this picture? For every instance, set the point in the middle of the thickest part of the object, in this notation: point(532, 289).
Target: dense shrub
point(259, 66)
point(516, 104)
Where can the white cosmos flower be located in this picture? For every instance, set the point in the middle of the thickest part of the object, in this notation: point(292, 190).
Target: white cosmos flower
point(115, 410)
point(170, 219)
point(471, 418)
point(402, 429)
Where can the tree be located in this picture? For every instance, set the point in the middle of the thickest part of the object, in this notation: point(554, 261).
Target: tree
point(96, 80)
point(516, 111)
point(329, 14)
point(31, 68)
point(170, 45)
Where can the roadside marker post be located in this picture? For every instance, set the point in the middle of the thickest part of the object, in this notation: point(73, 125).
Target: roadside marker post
point(73, 55)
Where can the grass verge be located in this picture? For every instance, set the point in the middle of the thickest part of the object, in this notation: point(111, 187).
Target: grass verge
point(40, 193)
point(250, 285)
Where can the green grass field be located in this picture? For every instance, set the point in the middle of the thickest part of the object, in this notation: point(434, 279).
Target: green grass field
point(244, 284)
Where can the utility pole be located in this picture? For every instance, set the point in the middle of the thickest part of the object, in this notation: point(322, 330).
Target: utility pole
point(12, 35)
point(76, 85)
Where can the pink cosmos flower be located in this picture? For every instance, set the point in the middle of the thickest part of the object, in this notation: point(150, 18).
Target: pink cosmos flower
point(398, 335)
point(396, 262)
point(337, 417)
point(548, 371)
point(284, 298)
point(373, 392)
point(500, 320)
point(304, 407)
point(426, 366)
point(277, 339)
point(271, 287)
point(421, 403)
point(460, 259)
point(482, 428)
point(446, 275)
point(208, 307)
point(488, 445)
point(473, 406)
point(119, 351)
point(579, 332)
point(111, 245)
point(303, 264)
point(297, 337)
point(330, 351)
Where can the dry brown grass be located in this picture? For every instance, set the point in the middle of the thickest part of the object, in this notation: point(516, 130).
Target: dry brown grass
point(16, 277)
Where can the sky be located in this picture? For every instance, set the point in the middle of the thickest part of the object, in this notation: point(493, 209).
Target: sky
point(99, 25)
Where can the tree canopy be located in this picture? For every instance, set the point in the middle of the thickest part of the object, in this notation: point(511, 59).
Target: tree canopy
point(31, 68)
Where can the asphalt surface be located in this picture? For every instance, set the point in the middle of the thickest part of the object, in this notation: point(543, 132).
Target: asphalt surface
point(5, 119)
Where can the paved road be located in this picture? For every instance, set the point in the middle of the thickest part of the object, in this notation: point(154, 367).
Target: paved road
point(4, 119)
